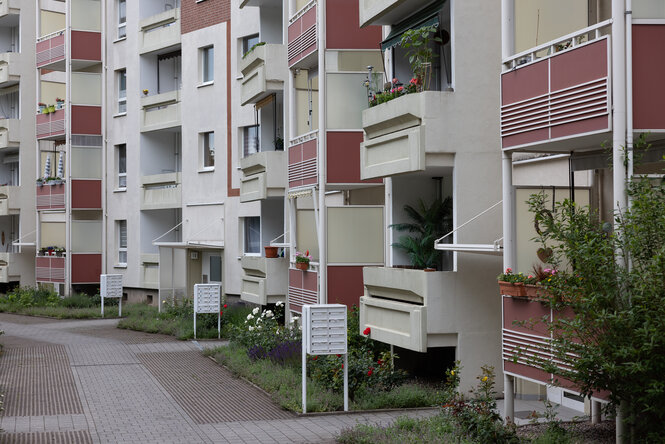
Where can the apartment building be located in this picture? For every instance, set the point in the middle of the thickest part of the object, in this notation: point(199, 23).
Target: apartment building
point(578, 79)
point(69, 144)
point(17, 138)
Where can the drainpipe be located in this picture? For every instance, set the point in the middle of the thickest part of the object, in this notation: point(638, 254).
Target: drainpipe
point(619, 140)
point(507, 49)
point(104, 145)
point(629, 89)
point(68, 150)
point(321, 153)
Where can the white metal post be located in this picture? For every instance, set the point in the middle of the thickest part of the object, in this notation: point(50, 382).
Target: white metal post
point(102, 305)
point(194, 323)
point(304, 319)
point(346, 382)
point(120, 307)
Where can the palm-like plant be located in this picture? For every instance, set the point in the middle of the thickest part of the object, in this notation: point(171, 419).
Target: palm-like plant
point(427, 223)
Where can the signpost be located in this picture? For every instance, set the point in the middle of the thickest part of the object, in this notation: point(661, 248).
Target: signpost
point(110, 286)
point(207, 300)
point(324, 333)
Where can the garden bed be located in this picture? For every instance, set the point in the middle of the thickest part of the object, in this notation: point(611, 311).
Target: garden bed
point(45, 303)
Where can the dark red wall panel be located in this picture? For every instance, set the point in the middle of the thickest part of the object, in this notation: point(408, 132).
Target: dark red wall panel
point(343, 155)
point(524, 83)
point(579, 66)
point(86, 119)
point(86, 194)
point(648, 75)
point(86, 268)
point(86, 45)
point(343, 27)
point(345, 285)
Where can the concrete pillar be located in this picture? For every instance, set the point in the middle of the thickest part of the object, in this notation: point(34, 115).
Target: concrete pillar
point(595, 412)
point(508, 398)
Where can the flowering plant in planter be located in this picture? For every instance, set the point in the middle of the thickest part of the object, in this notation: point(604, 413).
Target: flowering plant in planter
point(303, 258)
point(393, 91)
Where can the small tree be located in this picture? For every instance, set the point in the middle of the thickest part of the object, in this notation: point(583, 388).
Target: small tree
point(614, 282)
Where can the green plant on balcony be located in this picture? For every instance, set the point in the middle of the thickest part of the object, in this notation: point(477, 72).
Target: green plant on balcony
point(428, 222)
point(392, 91)
point(302, 260)
point(420, 53)
point(249, 51)
point(42, 108)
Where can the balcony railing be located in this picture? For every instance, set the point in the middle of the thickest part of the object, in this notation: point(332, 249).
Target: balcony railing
point(161, 191)
point(51, 196)
point(262, 175)
point(150, 271)
point(264, 71)
point(160, 111)
point(264, 280)
point(303, 161)
point(303, 288)
point(10, 133)
point(50, 269)
point(160, 31)
point(51, 125)
point(50, 48)
point(558, 91)
point(303, 37)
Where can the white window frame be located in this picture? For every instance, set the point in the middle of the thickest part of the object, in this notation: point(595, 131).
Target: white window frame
point(245, 137)
point(122, 94)
point(121, 175)
point(207, 147)
point(245, 227)
point(207, 64)
point(122, 21)
point(122, 249)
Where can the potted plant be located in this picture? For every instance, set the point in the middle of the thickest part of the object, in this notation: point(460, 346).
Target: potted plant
point(59, 103)
point(420, 53)
point(302, 260)
point(428, 223)
point(50, 251)
point(42, 107)
point(51, 108)
point(59, 251)
point(279, 144)
point(511, 284)
point(40, 182)
point(271, 252)
point(42, 251)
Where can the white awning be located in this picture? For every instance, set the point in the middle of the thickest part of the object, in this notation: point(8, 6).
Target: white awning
point(191, 244)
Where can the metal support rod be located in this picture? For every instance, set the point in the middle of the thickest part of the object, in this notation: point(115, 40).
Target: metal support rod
point(346, 382)
point(304, 377)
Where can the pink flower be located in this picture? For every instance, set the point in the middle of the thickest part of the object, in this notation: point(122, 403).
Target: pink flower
point(509, 270)
point(395, 80)
point(400, 88)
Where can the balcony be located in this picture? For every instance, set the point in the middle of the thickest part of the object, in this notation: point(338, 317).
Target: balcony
point(161, 191)
point(264, 72)
point(10, 133)
point(303, 288)
point(303, 38)
point(410, 308)
point(50, 269)
point(557, 96)
point(160, 32)
point(161, 111)
point(302, 160)
point(388, 12)
point(50, 197)
point(264, 280)
point(149, 273)
point(8, 7)
point(263, 175)
point(51, 126)
point(9, 268)
point(50, 51)
point(10, 72)
point(9, 200)
point(399, 134)
point(86, 49)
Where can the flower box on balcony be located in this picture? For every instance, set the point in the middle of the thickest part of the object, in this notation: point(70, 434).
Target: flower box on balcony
point(510, 289)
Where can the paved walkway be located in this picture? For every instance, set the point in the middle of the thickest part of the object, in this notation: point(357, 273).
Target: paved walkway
point(89, 382)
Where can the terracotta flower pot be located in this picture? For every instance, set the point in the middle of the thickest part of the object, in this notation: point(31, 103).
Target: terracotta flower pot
point(510, 289)
point(271, 252)
point(304, 266)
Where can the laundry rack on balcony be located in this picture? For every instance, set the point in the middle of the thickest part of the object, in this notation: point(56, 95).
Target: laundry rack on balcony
point(495, 248)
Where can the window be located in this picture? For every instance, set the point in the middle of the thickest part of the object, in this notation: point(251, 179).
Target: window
point(250, 140)
point(122, 165)
point(207, 64)
point(122, 242)
point(122, 91)
point(249, 42)
point(122, 19)
point(215, 268)
point(208, 142)
point(253, 235)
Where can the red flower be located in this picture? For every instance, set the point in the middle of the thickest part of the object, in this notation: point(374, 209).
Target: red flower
point(367, 331)
point(369, 372)
point(314, 358)
point(379, 362)
point(307, 253)
point(400, 88)
point(342, 365)
point(339, 356)
point(225, 306)
point(221, 312)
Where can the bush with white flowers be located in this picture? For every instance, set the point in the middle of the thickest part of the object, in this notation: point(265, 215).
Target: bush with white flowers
point(262, 332)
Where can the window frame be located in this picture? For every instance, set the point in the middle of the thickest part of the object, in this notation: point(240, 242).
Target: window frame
point(245, 235)
point(122, 24)
point(207, 150)
point(122, 249)
point(207, 64)
point(245, 138)
point(121, 175)
point(122, 93)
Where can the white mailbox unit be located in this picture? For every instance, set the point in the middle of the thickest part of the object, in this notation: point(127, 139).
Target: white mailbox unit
point(324, 333)
point(207, 300)
point(110, 286)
